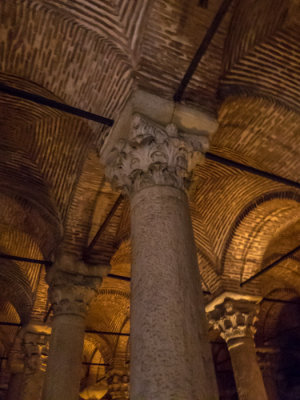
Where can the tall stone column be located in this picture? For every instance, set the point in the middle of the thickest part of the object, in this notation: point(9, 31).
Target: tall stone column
point(36, 345)
point(170, 352)
point(72, 285)
point(234, 317)
point(28, 362)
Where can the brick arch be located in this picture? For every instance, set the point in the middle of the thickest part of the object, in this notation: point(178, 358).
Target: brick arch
point(26, 201)
point(263, 39)
point(7, 333)
point(253, 229)
point(15, 288)
point(121, 355)
point(103, 344)
point(92, 354)
point(82, 216)
point(211, 280)
point(51, 144)
point(270, 311)
point(108, 311)
point(17, 214)
point(73, 69)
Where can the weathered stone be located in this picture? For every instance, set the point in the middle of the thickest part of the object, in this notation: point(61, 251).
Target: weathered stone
point(72, 285)
point(118, 384)
point(234, 316)
point(170, 352)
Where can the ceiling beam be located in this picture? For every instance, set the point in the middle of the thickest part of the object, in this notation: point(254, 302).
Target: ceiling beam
point(35, 98)
point(251, 170)
point(202, 49)
point(270, 266)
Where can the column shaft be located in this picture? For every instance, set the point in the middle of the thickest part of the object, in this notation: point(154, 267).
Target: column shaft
point(72, 285)
point(248, 377)
point(15, 386)
point(64, 359)
point(170, 351)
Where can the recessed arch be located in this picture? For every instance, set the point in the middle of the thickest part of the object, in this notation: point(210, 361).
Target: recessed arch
point(254, 228)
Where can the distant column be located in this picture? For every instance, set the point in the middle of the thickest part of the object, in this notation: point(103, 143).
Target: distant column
point(72, 285)
point(28, 362)
point(118, 384)
point(170, 351)
point(235, 319)
point(268, 358)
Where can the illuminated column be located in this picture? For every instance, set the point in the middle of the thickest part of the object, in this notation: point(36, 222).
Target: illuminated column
point(72, 285)
point(28, 362)
point(118, 384)
point(170, 352)
point(234, 316)
point(36, 346)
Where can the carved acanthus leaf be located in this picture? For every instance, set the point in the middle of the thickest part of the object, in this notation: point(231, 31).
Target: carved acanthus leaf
point(234, 318)
point(73, 284)
point(154, 155)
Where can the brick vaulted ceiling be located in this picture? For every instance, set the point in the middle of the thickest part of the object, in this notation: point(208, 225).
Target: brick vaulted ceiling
point(92, 55)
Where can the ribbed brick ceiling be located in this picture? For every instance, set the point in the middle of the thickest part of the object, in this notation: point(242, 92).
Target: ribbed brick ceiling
point(92, 54)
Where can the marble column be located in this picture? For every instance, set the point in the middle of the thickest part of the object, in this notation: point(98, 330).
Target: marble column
point(72, 285)
point(268, 358)
point(118, 383)
point(234, 317)
point(28, 362)
point(170, 352)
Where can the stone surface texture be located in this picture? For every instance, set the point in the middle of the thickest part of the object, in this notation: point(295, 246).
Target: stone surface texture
point(119, 57)
point(28, 361)
point(170, 352)
point(118, 383)
point(154, 155)
point(235, 320)
point(72, 285)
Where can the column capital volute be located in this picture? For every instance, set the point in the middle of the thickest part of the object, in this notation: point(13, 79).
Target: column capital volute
point(73, 284)
point(233, 315)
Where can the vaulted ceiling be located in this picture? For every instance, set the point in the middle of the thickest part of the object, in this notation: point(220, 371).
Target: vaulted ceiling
point(93, 55)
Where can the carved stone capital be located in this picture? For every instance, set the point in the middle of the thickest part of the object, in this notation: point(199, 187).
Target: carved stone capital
point(36, 348)
point(154, 155)
point(234, 318)
point(73, 284)
point(118, 384)
point(30, 350)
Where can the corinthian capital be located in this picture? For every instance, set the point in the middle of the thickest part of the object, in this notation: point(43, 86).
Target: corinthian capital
point(154, 155)
point(36, 347)
point(234, 317)
point(30, 350)
point(73, 284)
